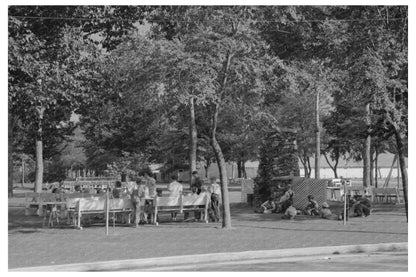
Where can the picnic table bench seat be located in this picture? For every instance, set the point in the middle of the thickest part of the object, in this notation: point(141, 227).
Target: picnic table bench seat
point(97, 205)
point(385, 194)
point(181, 203)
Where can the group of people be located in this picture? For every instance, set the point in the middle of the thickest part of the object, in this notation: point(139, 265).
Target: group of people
point(214, 190)
point(145, 190)
point(283, 205)
point(360, 205)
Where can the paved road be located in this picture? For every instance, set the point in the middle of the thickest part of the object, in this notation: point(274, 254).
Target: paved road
point(377, 261)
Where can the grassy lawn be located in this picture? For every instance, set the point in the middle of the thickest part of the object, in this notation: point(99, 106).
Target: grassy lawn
point(32, 245)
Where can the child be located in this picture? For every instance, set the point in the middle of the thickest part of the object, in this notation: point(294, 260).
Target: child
point(290, 213)
point(312, 207)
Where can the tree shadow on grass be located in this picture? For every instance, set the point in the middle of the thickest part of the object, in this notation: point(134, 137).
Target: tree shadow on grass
point(27, 231)
point(320, 230)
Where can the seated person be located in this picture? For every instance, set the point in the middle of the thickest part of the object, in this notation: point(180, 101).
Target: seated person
point(325, 212)
point(313, 207)
point(286, 200)
point(56, 190)
point(116, 193)
point(175, 190)
point(268, 207)
point(362, 206)
point(290, 213)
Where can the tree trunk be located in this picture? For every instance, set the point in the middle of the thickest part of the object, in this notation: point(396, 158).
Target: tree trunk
point(308, 160)
point(376, 169)
point(241, 169)
point(192, 140)
point(305, 169)
point(39, 153)
point(23, 172)
point(400, 150)
point(226, 222)
point(10, 157)
point(367, 148)
point(239, 172)
point(371, 168)
point(39, 165)
point(318, 138)
point(303, 161)
point(333, 167)
point(207, 165)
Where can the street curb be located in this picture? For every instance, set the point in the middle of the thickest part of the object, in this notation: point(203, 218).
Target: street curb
point(154, 263)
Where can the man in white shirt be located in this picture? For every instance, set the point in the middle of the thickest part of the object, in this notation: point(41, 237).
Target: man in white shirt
point(175, 190)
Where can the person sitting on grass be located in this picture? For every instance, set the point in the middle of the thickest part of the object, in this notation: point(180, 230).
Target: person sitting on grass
point(286, 200)
point(362, 207)
point(313, 207)
point(325, 212)
point(268, 207)
point(290, 213)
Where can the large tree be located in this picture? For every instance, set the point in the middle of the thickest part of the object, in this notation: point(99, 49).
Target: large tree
point(44, 85)
point(51, 49)
point(224, 51)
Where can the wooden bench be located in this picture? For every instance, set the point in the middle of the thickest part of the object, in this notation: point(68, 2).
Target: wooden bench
point(386, 194)
point(96, 205)
point(355, 190)
point(378, 194)
point(392, 193)
point(180, 204)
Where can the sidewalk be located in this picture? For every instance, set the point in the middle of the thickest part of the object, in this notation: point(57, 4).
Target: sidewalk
point(196, 262)
point(30, 245)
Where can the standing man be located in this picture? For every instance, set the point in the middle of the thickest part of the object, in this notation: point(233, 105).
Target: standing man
point(150, 184)
point(215, 191)
point(175, 190)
